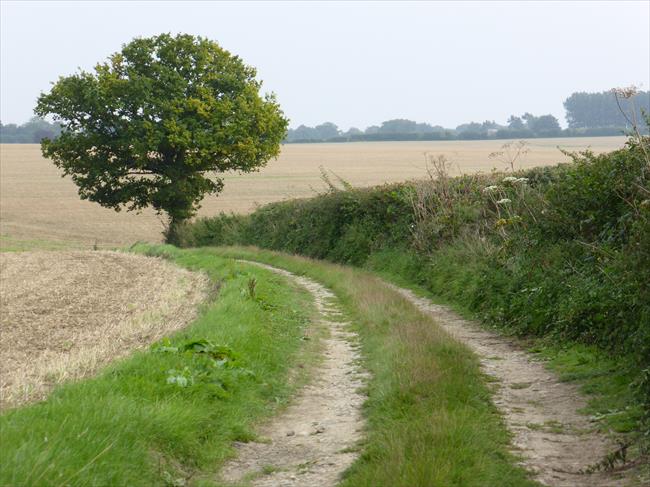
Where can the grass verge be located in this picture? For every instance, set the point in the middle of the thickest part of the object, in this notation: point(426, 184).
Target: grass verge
point(430, 419)
point(164, 415)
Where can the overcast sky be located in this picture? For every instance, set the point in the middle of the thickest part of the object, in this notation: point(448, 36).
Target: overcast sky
point(355, 63)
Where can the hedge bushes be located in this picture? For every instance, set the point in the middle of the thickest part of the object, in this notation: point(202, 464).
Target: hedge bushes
point(560, 252)
point(342, 226)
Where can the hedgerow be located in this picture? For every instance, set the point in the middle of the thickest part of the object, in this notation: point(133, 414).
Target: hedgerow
point(558, 252)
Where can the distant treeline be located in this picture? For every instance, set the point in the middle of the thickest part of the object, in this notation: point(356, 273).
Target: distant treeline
point(28, 133)
point(589, 110)
point(587, 114)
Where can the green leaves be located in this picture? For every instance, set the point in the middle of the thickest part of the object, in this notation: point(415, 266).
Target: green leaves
point(156, 123)
point(181, 378)
point(201, 362)
point(219, 353)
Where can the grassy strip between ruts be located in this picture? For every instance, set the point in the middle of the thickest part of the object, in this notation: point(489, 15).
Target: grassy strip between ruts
point(430, 420)
point(166, 414)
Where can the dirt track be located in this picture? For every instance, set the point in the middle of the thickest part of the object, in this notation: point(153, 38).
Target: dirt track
point(311, 443)
point(555, 441)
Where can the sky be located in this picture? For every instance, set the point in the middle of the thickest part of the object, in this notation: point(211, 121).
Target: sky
point(354, 63)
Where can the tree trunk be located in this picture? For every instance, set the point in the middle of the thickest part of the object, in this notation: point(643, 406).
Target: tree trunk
point(174, 231)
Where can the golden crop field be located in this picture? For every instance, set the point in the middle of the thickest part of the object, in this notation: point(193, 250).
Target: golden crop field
point(40, 209)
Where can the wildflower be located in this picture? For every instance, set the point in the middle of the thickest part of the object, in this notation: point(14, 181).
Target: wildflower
point(504, 201)
point(514, 180)
point(489, 189)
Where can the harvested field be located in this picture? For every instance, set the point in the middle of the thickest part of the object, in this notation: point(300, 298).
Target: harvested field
point(38, 209)
point(66, 314)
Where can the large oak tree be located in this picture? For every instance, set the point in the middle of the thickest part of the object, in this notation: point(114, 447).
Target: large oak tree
point(159, 123)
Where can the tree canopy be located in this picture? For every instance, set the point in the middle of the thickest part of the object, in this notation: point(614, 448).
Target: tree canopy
point(159, 122)
point(30, 132)
point(404, 126)
point(541, 125)
point(588, 110)
point(323, 131)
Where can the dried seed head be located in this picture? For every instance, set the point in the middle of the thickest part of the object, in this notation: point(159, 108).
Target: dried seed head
point(625, 92)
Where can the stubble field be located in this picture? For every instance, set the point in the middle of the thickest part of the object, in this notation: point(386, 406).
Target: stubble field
point(39, 209)
point(66, 317)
